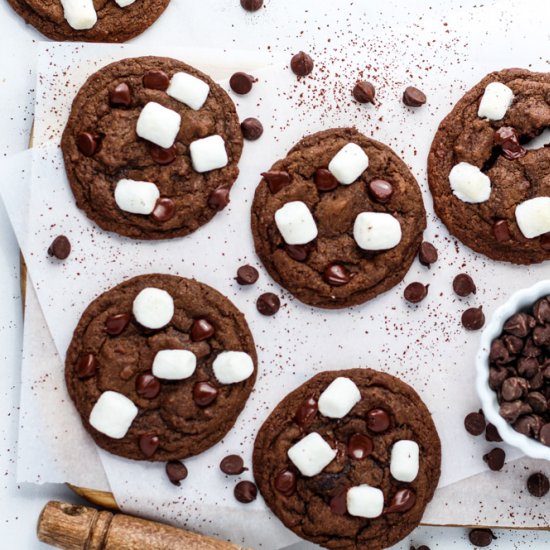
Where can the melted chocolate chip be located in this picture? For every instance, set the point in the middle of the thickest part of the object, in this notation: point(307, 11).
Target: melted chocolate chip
point(241, 83)
point(338, 503)
point(301, 64)
point(380, 191)
point(336, 275)
point(252, 129)
point(164, 210)
point(116, 324)
point(501, 231)
point(360, 446)
point(86, 366)
point(544, 241)
point(149, 443)
point(285, 482)
point(161, 155)
point(473, 318)
point(204, 394)
point(201, 329)
point(378, 420)
point(247, 275)
point(268, 304)
point(232, 465)
point(507, 138)
point(324, 180)
point(245, 492)
point(307, 412)
point(60, 248)
point(176, 472)
point(364, 92)
point(156, 80)
point(147, 385)
point(121, 96)
point(219, 198)
point(401, 502)
point(87, 143)
point(276, 180)
point(298, 252)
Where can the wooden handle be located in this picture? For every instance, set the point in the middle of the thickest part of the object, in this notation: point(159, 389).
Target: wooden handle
point(71, 527)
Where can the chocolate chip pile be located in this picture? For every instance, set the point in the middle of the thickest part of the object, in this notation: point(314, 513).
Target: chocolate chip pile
point(520, 371)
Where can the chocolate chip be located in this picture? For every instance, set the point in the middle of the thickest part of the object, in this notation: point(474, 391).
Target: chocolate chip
point(413, 97)
point(306, 413)
point(541, 336)
point(499, 353)
point(510, 411)
point(87, 143)
point(276, 180)
point(514, 388)
point(338, 503)
point(497, 375)
point(501, 231)
point(219, 198)
point(491, 434)
point(301, 64)
point(60, 248)
point(336, 275)
point(364, 92)
point(252, 129)
point(415, 292)
point(232, 465)
point(402, 501)
point(475, 423)
point(285, 482)
point(544, 435)
point(298, 252)
point(495, 459)
point(508, 140)
point(537, 401)
point(360, 446)
point(380, 191)
point(481, 537)
point(201, 329)
point(513, 344)
point(324, 180)
point(464, 285)
point(247, 275)
point(538, 484)
point(378, 420)
point(241, 83)
point(245, 492)
point(427, 254)
point(116, 324)
point(156, 80)
point(147, 385)
point(161, 155)
point(149, 443)
point(529, 425)
point(86, 366)
point(176, 472)
point(519, 325)
point(164, 210)
point(544, 241)
point(541, 311)
point(121, 96)
point(268, 304)
point(204, 394)
point(473, 318)
point(252, 5)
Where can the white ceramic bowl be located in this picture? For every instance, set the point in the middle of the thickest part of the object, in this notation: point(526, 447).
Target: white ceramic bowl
point(516, 303)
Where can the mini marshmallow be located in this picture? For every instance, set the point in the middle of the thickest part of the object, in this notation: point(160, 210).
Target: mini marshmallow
point(153, 308)
point(231, 367)
point(113, 414)
point(365, 501)
point(349, 163)
point(311, 455)
point(124, 3)
point(469, 183)
point(495, 101)
point(158, 125)
point(533, 217)
point(136, 197)
point(79, 14)
point(208, 154)
point(339, 398)
point(376, 231)
point(404, 462)
point(295, 223)
point(189, 90)
point(174, 364)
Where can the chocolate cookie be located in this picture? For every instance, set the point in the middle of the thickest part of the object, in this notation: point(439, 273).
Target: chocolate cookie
point(349, 460)
point(339, 220)
point(90, 20)
point(160, 368)
point(151, 148)
point(489, 190)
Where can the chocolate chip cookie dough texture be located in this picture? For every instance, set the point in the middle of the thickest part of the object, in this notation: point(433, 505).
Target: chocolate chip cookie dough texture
point(349, 460)
point(489, 189)
point(339, 220)
point(160, 367)
point(90, 20)
point(151, 148)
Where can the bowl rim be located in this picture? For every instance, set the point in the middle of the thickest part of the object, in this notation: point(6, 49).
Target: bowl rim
point(489, 404)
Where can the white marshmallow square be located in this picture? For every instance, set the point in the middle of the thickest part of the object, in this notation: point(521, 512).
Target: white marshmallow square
point(136, 197)
point(231, 367)
point(174, 364)
point(124, 3)
point(469, 183)
point(376, 231)
point(189, 90)
point(79, 14)
point(495, 101)
point(208, 154)
point(349, 163)
point(153, 308)
point(113, 414)
point(405, 457)
point(311, 455)
point(365, 501)
point(295, 223)
point(339, 398)
point(533, 217)
point(158, 125)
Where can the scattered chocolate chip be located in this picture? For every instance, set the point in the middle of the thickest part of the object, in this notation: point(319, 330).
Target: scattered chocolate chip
point(473, 318)
point(201, 329)
point(338, 503)
point(298, 252)
point(204, 394)
point(245, 492)
point(495, 459)
point(427, 254)
point(538, 484)
point(276, 180)
point(301, 64)
point(60, 248)
point(285, 482)
point(147, 385)
point(402, 501)
point(241, 83)
point(380, 191)
point(324, 180)
point(247, 275)
point(336, 275)
point(86, 366)
point(161, 155)
point(121, 96)
point(156, 80)
point(164, 210)
point(219, 198)
point(360, 446)
point(544, 241)
point(501, 231)
point(176, 472)
point(87, 143)
point(252, 129)
point(413, 97)
point(544, 435)
point(475, 423)
point(149, 443)
point(491, 434)
point(116, 324)
point(481, 537)
point(252, 5)
point(415, 292)
point(464, 285)
point(268, 304)
point(520, 325)
point(364, 92)
point(378, 420)
point(306, 413)
point(232, 465)
point(508, 140)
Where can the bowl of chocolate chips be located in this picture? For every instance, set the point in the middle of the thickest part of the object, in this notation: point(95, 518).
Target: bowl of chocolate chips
point(513, 370)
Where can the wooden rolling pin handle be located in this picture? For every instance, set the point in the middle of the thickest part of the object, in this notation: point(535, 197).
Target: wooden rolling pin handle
point(73, 527)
